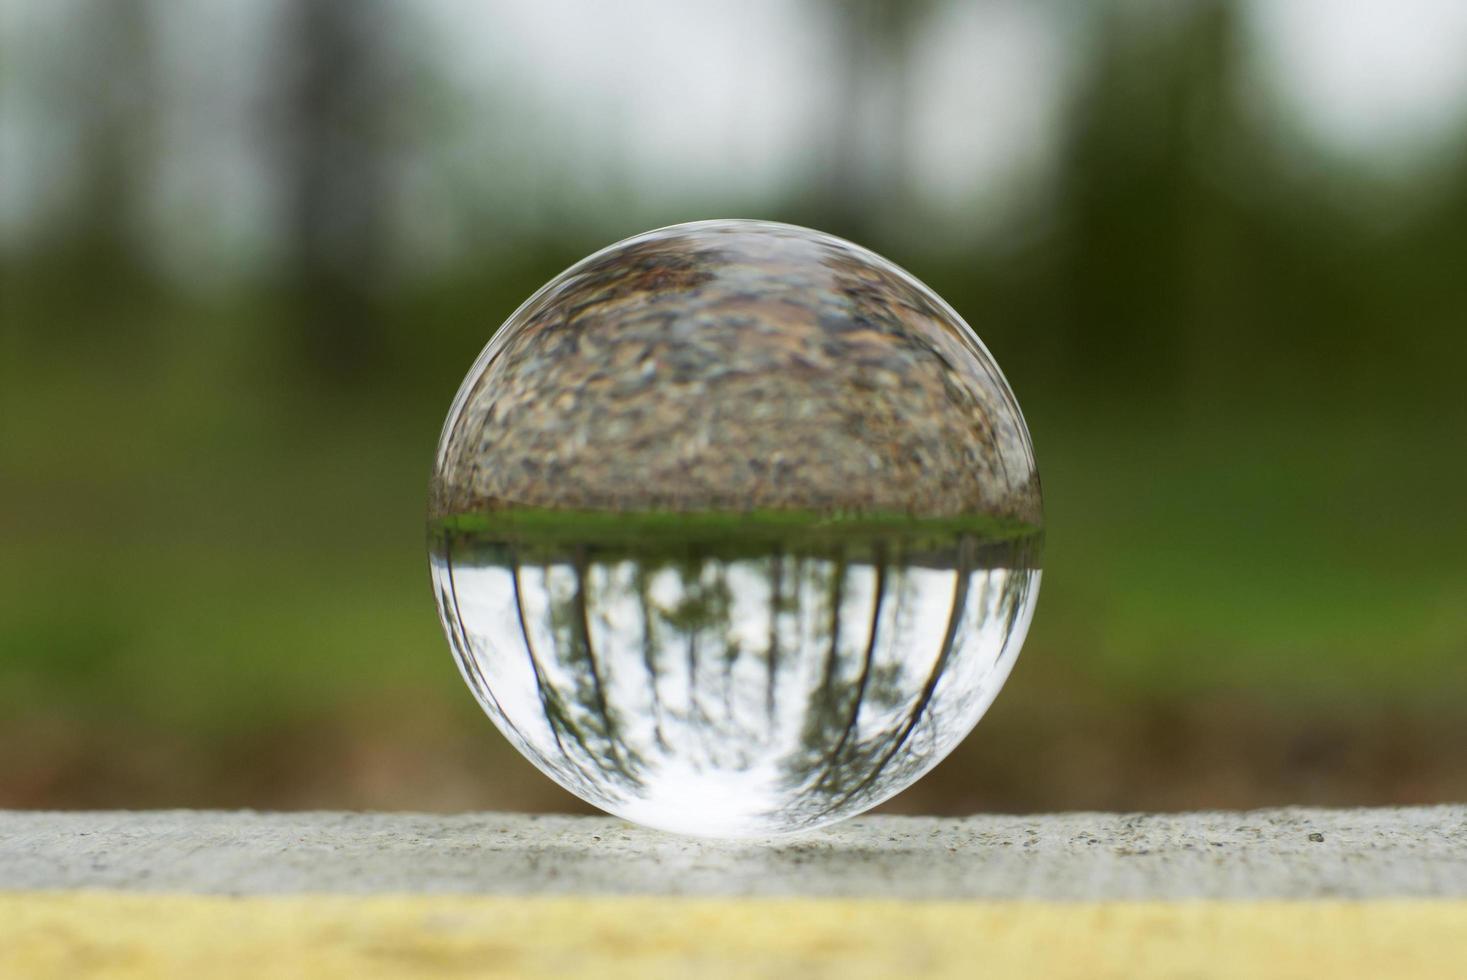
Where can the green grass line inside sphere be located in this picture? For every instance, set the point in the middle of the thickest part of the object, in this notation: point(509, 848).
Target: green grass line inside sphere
point(762, 530)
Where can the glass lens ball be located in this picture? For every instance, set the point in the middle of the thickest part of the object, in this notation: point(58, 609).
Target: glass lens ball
point(735, 529)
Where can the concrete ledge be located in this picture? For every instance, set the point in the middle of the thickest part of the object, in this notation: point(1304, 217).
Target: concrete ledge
point(1264, 854)
point(1346, 894)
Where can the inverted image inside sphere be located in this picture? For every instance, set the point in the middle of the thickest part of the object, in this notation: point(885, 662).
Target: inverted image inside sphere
point(737, 365)
point(735, 529)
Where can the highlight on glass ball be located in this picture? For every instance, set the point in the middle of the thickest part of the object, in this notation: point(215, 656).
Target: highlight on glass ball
point(735, 529)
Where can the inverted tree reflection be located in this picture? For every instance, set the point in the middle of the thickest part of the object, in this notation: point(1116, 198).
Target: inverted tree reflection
point(804, 684)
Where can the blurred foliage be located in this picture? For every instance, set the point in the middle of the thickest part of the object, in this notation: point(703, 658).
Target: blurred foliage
point(1245, 393)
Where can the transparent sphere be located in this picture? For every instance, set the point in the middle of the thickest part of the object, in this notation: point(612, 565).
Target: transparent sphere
point(735, 528)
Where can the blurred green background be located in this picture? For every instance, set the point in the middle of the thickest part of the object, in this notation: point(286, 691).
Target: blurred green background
point(248, 251)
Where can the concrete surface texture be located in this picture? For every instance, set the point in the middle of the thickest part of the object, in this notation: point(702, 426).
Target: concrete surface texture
point(1088, 857)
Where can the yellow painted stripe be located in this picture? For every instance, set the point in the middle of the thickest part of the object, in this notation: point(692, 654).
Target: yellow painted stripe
point(80, 934)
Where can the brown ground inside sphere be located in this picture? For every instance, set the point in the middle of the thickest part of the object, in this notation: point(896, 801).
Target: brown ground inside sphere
point(739, 366)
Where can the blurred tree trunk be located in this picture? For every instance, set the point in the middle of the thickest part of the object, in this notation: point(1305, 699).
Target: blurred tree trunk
point(864, 171)
point(113, 105)
point(335, 179)
point(1149, 238)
